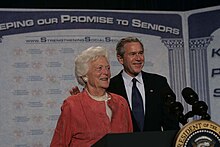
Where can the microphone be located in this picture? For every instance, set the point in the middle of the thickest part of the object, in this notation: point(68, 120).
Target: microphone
point(190, 96)
point(174, 107)
point(198, 107)
point(170, 97)
point(177, 109)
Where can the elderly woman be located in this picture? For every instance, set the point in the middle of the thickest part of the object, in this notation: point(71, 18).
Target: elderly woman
point(89, 115)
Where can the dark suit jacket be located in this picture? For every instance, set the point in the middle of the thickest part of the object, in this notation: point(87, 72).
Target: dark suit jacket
point(156, 112)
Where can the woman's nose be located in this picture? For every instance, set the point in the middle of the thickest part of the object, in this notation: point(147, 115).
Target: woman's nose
point(106, 70)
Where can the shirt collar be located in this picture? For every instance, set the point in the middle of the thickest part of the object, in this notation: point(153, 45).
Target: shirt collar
point(129, 78)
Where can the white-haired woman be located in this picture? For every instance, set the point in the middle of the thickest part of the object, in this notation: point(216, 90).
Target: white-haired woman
point(89, 115)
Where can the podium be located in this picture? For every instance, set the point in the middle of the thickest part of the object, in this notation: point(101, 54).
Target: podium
point(138, 139)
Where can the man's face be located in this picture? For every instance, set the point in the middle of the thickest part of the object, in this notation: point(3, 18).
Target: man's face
point(99, 73)
point(133, 59)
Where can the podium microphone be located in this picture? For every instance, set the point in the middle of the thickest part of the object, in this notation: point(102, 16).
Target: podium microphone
point(190, 96)
point(175, 107)
point(198, 107)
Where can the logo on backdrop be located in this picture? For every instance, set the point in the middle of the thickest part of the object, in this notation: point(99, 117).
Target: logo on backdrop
point(199, 133)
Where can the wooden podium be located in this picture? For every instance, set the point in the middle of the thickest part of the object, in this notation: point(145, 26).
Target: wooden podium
point(138, 139)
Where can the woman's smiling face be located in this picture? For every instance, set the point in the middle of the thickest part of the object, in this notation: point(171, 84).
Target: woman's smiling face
point(99, 73)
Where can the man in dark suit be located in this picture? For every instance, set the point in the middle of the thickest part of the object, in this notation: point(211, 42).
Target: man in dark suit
point(130, 53)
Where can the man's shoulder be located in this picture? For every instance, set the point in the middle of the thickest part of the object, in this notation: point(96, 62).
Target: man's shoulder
point(116, 77)
point(116, 83)
point(152, 75)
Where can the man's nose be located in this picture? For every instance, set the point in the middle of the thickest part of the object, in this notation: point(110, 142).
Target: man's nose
point(138, 56)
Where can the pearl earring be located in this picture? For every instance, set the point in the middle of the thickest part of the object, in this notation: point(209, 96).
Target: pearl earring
point(85, 79)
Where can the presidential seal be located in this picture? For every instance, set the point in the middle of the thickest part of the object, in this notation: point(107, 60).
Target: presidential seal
point(199, 133)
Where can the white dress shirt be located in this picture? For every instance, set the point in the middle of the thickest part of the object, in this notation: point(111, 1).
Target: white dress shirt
point(128, 86)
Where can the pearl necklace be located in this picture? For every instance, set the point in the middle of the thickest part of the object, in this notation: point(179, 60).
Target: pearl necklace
point(99, 98)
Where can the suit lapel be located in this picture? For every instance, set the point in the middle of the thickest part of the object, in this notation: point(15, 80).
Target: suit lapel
point(121, 86)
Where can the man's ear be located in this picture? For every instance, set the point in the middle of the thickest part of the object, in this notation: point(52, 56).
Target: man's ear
point(120, 59)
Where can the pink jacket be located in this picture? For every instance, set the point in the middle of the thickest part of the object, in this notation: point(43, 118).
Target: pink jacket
point(83, 121)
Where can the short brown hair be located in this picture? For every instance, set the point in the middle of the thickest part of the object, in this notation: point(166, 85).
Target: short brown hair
point(120, 45)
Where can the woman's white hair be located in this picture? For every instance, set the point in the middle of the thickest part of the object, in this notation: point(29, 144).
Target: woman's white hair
point(83, 59)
